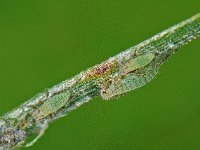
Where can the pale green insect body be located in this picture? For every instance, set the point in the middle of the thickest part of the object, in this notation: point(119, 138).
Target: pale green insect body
point(138, 62)
point(129, 82)
point(52, 105)
point(128, 79)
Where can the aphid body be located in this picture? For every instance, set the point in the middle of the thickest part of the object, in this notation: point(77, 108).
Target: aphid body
point(129, 80)
point(138, 62)
point(52, 105)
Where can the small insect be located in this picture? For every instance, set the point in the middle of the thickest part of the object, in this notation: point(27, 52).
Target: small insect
point(52, 105)
point(137, 63)
point(127, 83)
point(128, 80)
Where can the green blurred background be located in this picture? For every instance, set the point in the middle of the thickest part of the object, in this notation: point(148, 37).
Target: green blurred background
point(43, 42)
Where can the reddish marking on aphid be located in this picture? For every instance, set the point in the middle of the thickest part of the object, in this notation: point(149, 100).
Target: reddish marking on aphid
point(102, 69)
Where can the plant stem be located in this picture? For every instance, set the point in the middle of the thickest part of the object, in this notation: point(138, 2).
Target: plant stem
point(118, 75)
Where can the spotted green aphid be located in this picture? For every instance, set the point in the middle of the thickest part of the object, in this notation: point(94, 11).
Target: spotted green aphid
point(52, 105)
point(138, 62)
point(130, 80)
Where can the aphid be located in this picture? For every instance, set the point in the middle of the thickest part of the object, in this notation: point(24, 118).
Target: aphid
point(129, 82)
point(52, 105)
point(137, 63)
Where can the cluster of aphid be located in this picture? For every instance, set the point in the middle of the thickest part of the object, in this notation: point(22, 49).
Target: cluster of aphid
point(126, 80)
point(128, 77)
point(127, 71)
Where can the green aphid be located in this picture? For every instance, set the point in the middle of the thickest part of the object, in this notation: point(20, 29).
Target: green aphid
point(138, 62)
point(127, 83)
point(128, 80)
point(52, 105)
